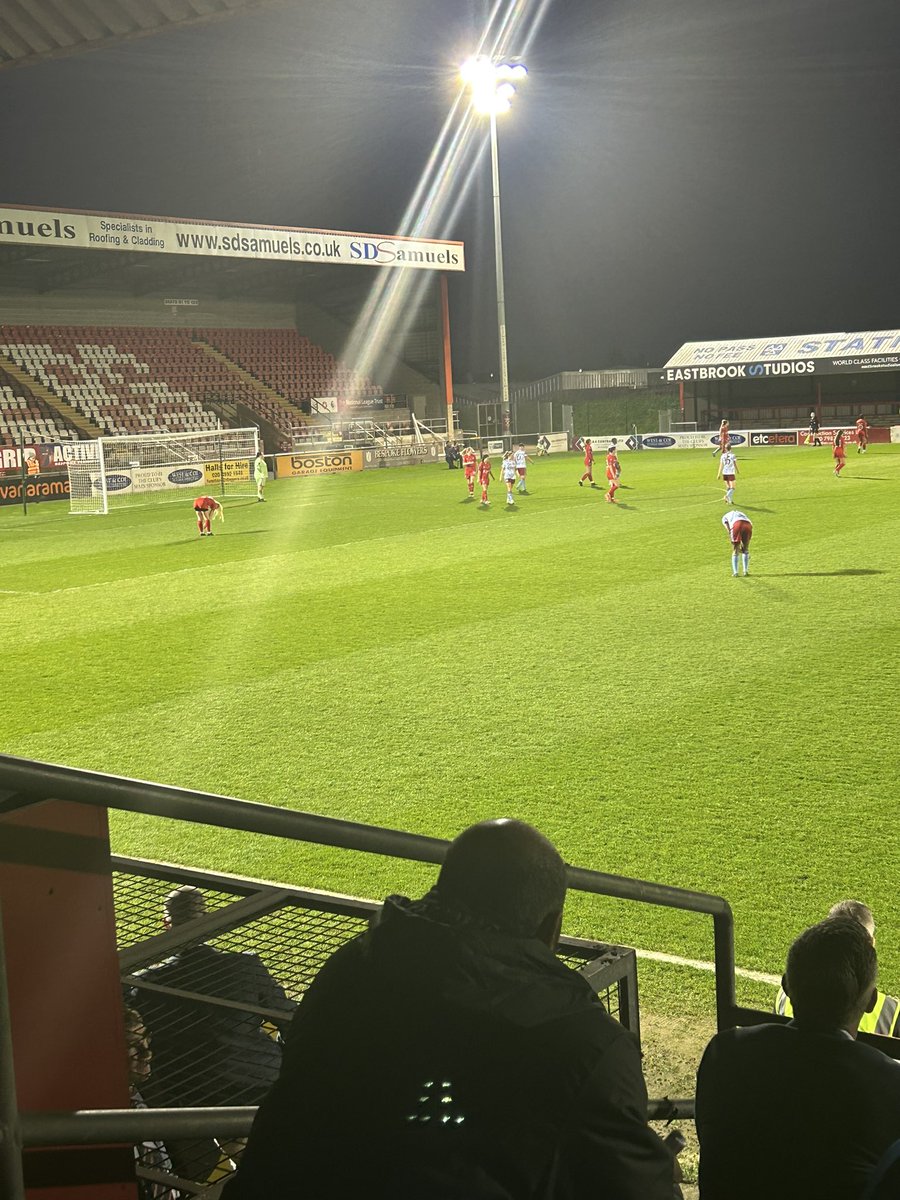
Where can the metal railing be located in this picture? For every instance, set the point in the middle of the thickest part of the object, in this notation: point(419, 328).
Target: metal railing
point(23, 783)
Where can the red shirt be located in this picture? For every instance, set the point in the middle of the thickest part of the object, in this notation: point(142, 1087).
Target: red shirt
point(862, 425)
point(205, 502)
point(470, 460)
point(611, 461)
point(484, 470)
point(588, 455)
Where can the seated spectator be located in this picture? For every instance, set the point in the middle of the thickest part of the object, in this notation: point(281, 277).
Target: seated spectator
point(447, 1052)
point(883, 1017)
point(801, 1110)
point(207, 1053)
point(153, 1156)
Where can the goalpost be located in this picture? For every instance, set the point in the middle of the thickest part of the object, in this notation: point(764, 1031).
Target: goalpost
point(124, 472)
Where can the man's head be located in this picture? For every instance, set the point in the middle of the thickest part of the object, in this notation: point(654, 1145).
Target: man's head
point(184, 904)
point(856, 911)
point(508, 874)
point(831, 972)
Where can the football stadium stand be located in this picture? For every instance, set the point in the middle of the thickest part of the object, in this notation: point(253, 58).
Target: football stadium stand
point(288, 362)
point(93, 380)
point(25, 416)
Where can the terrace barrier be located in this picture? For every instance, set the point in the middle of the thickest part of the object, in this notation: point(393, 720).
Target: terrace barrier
point(243, 903)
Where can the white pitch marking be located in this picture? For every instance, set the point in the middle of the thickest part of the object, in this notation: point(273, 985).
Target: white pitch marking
point(698, 965)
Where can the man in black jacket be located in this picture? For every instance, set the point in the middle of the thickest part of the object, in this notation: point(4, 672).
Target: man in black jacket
point(212, 1017)
point(801, 1111)
point(447, 1053)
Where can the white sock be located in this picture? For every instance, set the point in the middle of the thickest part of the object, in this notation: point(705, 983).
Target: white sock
point(746, 558)
point(734, 563)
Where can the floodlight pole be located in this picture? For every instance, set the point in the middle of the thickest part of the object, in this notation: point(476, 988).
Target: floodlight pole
point(498, 265)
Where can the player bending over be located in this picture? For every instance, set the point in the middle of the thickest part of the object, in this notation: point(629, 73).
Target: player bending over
point(839, 452)
point(521, 460)
point(740, 531)
point(470, 466)
point(588, 465)
point(485, 475)
point(728, 468)
point(206, 507)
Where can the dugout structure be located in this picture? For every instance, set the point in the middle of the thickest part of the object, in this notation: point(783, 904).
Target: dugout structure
point(125, 472)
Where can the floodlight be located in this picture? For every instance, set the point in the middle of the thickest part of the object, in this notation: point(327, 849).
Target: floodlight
point(493, 88)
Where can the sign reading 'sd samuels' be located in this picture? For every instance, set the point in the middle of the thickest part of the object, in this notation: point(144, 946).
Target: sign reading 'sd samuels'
point(162, 235)
point(325, 462)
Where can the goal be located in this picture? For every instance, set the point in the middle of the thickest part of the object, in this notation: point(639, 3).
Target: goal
point(124, 472)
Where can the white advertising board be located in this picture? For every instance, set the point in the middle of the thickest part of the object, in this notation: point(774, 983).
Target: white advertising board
point(165, 235)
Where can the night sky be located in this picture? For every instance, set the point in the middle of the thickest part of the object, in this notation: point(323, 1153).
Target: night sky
point(671, 170)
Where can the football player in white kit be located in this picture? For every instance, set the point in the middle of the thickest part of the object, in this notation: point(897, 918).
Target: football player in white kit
point(521, 459)
point(740, 531)
point(508, 475)
point(728, 468)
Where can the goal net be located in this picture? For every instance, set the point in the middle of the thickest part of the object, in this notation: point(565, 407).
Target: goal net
point(124, 472)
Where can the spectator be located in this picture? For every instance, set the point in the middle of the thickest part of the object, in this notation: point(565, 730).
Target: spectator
point(449, 455)
point(801, 1110)
point(209, 1053)
point(447, 1052)
point(883, 1017)
point(150, 1155)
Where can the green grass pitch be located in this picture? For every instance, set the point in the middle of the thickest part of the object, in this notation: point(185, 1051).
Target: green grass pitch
point(377, 648)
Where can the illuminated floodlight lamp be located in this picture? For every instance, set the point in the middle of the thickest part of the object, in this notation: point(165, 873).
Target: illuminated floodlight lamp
point(493, 86)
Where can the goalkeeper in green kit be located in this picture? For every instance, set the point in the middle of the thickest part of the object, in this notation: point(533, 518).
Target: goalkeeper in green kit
point(260, 474)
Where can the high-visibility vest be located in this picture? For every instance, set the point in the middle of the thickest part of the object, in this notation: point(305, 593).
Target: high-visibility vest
point(882, 1019)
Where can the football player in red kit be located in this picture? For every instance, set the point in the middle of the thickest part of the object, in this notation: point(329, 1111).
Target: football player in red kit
point(839, 452)
point(470, 466)
point(588, 465)
point(206, 507)
point(485, 475)
point(862, 435)
point(612, 474)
